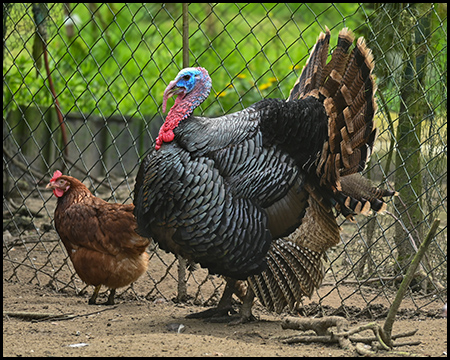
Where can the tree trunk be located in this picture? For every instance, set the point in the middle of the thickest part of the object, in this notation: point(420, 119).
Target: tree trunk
point(413, 107)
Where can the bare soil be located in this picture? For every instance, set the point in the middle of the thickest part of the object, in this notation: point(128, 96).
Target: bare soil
point(138, 327)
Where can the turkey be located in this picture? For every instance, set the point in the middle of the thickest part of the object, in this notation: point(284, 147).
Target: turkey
point(253, 195)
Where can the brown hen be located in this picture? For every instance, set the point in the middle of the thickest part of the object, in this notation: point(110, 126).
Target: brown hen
point(99, 237)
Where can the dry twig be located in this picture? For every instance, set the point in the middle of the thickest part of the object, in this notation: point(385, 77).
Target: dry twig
point(345, 337)
point(388, 324)
point(38, 317)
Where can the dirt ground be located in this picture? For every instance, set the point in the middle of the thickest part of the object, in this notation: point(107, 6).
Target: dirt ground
point(137, 327)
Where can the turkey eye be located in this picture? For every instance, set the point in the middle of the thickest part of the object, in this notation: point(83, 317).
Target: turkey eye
point(186, 77)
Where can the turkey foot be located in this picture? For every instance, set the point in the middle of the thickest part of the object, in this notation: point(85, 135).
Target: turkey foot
point(224, 311)
point(213, 315)
point(221, 312)
point(245, 315)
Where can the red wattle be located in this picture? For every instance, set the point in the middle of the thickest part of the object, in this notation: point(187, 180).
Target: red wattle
point(58, 192)
point(166, 131)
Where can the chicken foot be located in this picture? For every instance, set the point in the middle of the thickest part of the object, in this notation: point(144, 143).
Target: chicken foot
point(110, 301)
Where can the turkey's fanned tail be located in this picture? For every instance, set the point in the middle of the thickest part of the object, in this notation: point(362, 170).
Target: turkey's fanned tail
point(346, 86)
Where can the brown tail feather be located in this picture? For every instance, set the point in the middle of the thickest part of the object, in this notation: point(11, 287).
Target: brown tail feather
point(360, 196)
point(312, 72)
point(295, 266)
point(293, 272)
point(351, 108)
point(346, 86)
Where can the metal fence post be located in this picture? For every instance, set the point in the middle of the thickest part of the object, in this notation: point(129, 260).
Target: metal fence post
point(182, 263)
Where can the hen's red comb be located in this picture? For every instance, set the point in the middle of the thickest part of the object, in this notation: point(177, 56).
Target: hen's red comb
point(56, 175)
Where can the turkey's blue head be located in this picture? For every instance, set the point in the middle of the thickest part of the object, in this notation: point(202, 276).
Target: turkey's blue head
point(191, 87)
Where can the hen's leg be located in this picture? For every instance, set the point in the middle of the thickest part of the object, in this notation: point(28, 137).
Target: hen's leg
point(110, 301)
point(224, 306)
point(92, 300)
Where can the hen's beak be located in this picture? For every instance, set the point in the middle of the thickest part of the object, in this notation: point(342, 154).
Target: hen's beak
point(50, 185)
point(171, 90)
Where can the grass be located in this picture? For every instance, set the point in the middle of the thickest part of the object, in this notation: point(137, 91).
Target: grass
point(123, 55)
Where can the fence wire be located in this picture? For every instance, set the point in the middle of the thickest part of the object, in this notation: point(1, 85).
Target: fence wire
point(109, 64)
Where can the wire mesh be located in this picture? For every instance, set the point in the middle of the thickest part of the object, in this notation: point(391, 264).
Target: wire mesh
point(109, 64)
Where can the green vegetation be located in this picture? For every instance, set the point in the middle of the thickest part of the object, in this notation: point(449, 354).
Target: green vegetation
point(119, 54)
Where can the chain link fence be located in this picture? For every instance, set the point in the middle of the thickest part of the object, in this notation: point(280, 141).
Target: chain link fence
point(82, 92)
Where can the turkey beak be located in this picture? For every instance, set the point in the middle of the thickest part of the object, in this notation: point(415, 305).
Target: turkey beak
point(171, 90)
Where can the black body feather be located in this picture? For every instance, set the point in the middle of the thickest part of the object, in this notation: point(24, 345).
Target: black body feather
point(210, 194)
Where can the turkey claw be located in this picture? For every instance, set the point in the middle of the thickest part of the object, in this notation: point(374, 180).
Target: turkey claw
point(242, 320)
point(213, 315)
